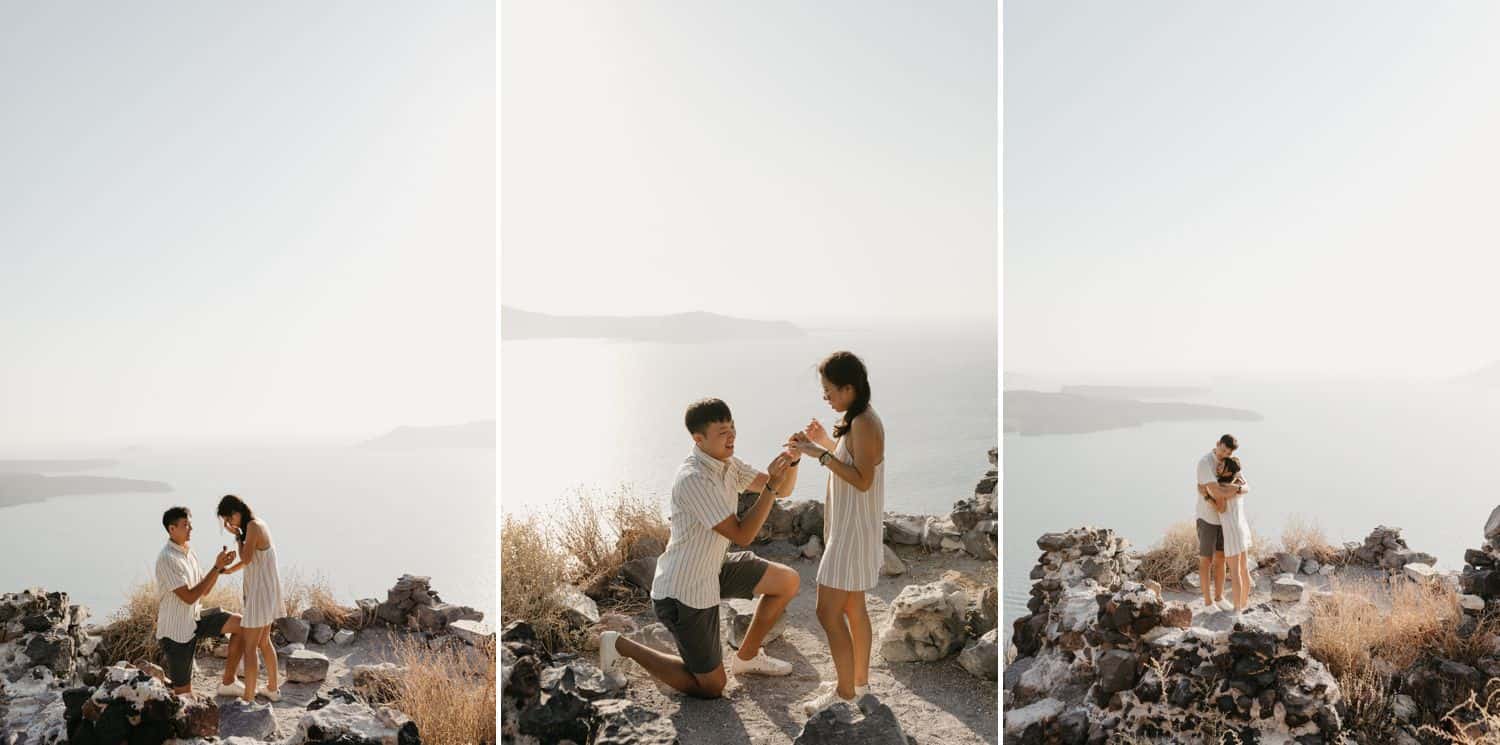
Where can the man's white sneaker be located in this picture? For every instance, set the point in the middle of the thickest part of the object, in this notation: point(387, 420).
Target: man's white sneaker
point(824, 701)
point(760, 664)
point(614, 665)
point(235, 689)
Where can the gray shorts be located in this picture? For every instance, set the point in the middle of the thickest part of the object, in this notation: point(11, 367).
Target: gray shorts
point(179, 655)
point(697, 629)
point(1210, 539)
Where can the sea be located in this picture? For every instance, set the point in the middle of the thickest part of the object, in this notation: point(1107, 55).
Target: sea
point(1344, 456)
point(352, 518)
point(596, 416)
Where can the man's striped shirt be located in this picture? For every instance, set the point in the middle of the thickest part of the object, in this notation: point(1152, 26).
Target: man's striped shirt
point(704, 492)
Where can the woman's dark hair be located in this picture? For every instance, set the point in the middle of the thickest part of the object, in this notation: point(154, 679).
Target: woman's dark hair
point(229, 505)
point(1231, 469)
point(841, 369)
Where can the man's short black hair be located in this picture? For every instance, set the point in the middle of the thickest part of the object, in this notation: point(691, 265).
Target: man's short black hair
point(172, 515)
point(702, 413)
point(1228, 441)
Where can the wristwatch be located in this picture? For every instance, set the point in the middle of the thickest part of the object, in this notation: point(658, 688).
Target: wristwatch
point(824, 458)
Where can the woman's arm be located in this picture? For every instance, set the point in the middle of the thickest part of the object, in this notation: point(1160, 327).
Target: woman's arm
point(868, 449)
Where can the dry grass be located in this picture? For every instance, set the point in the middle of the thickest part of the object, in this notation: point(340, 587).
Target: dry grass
point(1394, 620)
point(130, 632)
point(1172, 558)
point(531, 567)
point(1302, 534)
point(449, 692)
point(601, 532)
point(1369, 699)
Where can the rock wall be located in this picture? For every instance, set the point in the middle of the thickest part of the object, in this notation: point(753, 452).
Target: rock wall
point(1102, 656)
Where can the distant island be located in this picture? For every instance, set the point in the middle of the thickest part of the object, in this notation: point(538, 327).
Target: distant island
point(1133, 391)
point(479, 434)
point(55, 466)
point(518, 324)
point(1039, 413)
point(24, 488)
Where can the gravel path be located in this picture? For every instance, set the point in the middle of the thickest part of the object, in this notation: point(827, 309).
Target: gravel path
point(937, 702)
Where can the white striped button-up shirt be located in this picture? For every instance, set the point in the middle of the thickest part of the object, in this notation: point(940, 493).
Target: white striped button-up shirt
point(705, 491)
point(176, 567)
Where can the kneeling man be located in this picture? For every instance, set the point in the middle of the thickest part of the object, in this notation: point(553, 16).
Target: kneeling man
point(694, 572)
point(181, 583)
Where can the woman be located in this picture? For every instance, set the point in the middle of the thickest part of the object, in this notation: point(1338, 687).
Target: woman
point(1229, 500)
point(853, 524)
point(262, 588)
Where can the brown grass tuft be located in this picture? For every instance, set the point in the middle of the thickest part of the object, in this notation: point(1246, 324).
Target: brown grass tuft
point(1394, 620)
point(130, 631)
point(1301, 533)
point(600, 532)
point(448, 691)
point(1172, 558)
point(531, 567)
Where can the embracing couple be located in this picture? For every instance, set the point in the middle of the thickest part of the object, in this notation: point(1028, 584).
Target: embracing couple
point(695, 572)
point(181, 583)
point(1223, 529)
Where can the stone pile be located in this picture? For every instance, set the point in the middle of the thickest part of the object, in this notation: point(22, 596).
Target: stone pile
point(1103, 657)
point(547, 699)
point(44, 647)
point(1384, 548)
point(972, 527)
point(865, 721)
point(132, 705)
point(413, 605)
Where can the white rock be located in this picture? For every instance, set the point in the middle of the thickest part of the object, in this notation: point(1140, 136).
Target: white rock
point(1017, 720)
point(343, 637)
point(476, 633)
point(1191, 581)
point(1419, 572)
point(892, 565)
point(579, 609)
point(814, 548)
point(340, 718)
point(1471, 602)
point(1492, 525)
point(926, 623)
point(1287, 590)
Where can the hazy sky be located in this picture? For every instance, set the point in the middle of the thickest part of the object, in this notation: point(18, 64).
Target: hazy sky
point(262, 218)
point(780, 159)
point(1276, 186)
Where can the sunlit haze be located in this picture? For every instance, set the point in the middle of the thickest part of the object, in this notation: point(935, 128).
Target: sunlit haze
point(1252, 188)
point(245, 219)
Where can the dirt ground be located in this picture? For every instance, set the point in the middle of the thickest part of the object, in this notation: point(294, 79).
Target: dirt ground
point(372, 646)
point(936, 702)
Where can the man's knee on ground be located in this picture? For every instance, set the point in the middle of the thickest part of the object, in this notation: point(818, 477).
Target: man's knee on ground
point(710, 684)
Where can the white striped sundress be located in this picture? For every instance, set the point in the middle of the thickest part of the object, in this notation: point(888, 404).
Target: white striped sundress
point(852, 559)
point(262, 587)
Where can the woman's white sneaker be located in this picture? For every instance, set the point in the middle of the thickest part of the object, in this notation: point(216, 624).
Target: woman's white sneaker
point(1224, 605)
point(615, 666)
point(824, 701)
point(760, 664)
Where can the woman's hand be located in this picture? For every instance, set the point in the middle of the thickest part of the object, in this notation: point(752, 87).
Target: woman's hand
point(814, 431)
point(806, 447)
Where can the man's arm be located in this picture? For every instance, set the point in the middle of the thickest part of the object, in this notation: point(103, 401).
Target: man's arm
point(193, 594)
point(770, 486)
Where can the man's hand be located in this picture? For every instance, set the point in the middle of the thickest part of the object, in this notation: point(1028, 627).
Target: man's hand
point(224, 559)
point(778, 464)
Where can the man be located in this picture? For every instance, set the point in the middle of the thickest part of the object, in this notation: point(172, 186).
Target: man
point(694, 572)
point(1210, 529)
point(182, 583)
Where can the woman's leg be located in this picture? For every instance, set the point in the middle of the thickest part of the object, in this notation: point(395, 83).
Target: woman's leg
point(268, 659)
point(252, 669)
point(859, 631)
point(840, 644)
point(1245, 576)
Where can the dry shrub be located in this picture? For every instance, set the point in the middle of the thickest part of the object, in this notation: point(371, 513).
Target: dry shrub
point(1302, 534)
point(130, 631)
point(1369, 699)
point(600, 533)
point(1172, 558)
point(335, 614)
point(449, 691)
point(531, 567)
point(1395, 620)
